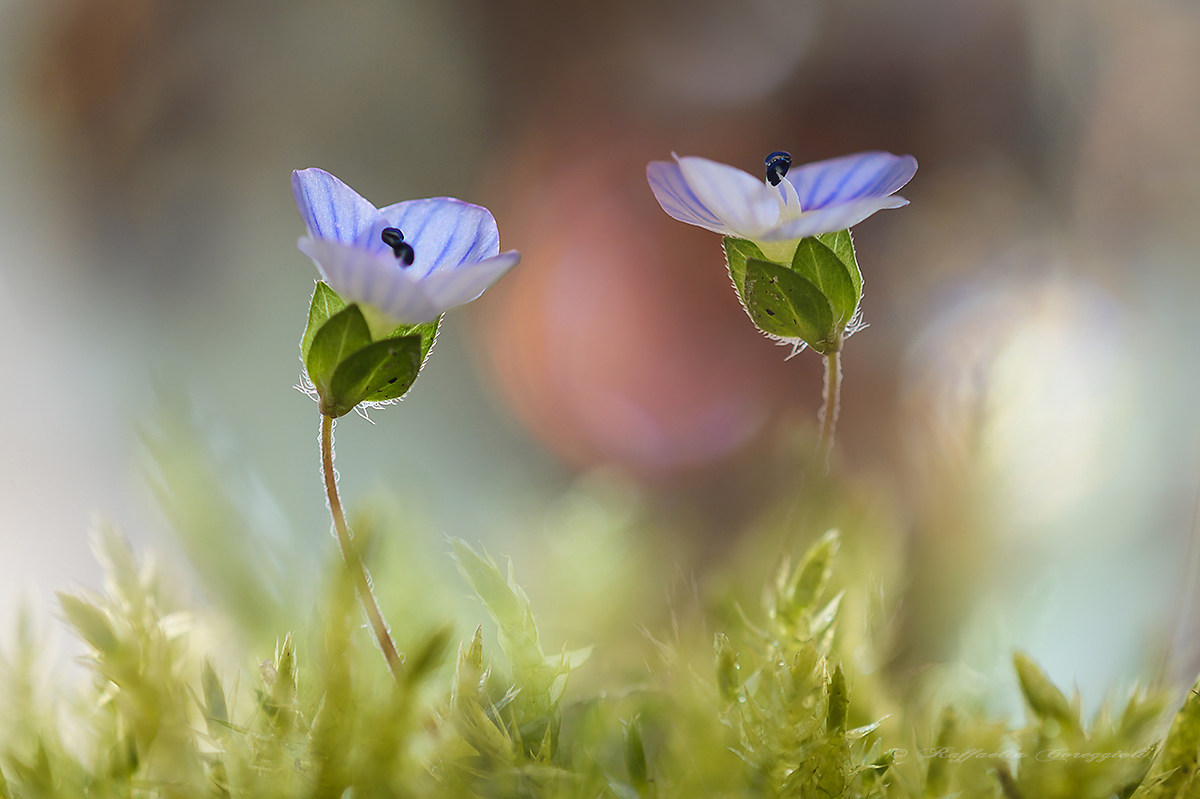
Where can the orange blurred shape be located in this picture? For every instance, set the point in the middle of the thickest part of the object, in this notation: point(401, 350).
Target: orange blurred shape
point(619, 338)
point(117, 75)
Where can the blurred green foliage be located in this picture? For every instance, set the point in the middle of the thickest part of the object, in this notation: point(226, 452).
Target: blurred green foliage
point(781, 696)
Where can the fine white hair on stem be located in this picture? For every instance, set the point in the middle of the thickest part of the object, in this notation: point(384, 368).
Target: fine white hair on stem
point(336, 475)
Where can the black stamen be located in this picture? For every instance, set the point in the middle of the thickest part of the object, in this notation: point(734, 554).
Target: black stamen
point(403, 251)
point(778, 164)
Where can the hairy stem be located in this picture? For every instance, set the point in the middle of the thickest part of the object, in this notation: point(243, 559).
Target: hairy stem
point(354, 563)
point(831, 404)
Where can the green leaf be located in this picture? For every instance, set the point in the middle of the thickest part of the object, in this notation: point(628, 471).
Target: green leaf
point(737, 252)
point(785, 304)
point(506, 602)
point(1008, 783)
point(839, 702)
point(843, 246)
point(483, 731)
point(635, 755)
point(1179, 760)
point(429, 654)
point(810, 579)
point(325, 303)
point(280, 700)
point(378, 372)
point(1042, 696)
point(285, 668)
point(215, 708)
point(90, 622)
point(825, 270)
point(937, 771)
point(729, 683)
point(122, 580)
point(345, 333)
point(123, 760)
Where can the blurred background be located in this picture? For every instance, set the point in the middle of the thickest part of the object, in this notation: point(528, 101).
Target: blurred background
point(1021, 409)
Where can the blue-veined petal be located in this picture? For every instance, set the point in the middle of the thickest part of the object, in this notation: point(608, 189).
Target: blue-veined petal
point(377, 279)
point(444, 232)
point(447, 288)
point(791, 200)
point(332, 210)
point(677, 199)
point(850, 178)
point(833, 218)
point(746, 205)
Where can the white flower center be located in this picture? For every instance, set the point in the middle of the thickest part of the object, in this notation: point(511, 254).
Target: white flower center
point(781, 252)
point(789, 202)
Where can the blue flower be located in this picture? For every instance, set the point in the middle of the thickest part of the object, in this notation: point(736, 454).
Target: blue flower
point(791, 204)
point(410, 261)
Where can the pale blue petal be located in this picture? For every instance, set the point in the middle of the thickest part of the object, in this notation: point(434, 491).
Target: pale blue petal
point(332, 210)
point(447, 288)
point(833, 218)
point(745, 205)
point(791, 201)
point(444, 232)
point(672, 192)
point(358, 275)
point(850, 178)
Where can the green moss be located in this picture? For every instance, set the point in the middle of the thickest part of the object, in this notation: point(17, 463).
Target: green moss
point(181, 702)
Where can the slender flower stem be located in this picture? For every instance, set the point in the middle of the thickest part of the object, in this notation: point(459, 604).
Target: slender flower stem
point(358, 571)
point(831, 405)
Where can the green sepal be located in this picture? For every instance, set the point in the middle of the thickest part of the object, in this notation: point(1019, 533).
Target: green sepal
point(347, 366)
point(737, 252)
point(427, 331)
point(843, 247)
point(785, 304)
point(343, 334)
point(325, 303)
point(380, 371)
point(822, 266)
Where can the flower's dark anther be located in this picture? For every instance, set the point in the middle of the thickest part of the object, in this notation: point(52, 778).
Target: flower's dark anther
point(403, 251)
point(778, 164)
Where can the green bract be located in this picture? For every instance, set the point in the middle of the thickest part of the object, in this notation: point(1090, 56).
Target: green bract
point(786, 305)
point(347, 366)
point(814, 299)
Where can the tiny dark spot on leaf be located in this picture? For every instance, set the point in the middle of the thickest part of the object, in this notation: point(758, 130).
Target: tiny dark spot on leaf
point(770, 312)
point(393, 380)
